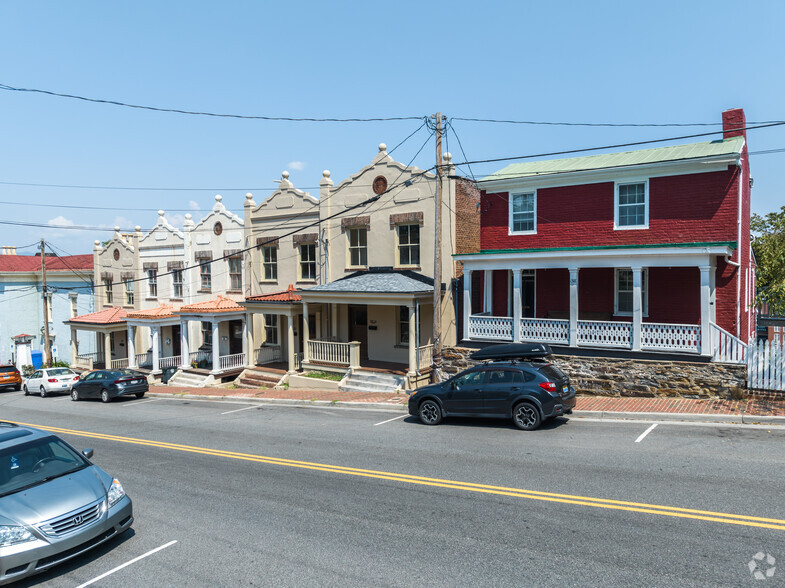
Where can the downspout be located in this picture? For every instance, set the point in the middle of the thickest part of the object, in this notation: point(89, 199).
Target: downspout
point(738, 250)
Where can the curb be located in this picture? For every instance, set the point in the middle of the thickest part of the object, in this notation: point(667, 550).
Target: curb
point(597, 414)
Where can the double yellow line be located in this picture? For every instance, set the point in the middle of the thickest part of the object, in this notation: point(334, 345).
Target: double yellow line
point(655, 509)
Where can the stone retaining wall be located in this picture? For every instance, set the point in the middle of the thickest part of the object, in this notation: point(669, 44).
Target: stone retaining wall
point(605, 376)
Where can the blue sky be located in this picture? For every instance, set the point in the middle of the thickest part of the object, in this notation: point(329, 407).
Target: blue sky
point(618, 62)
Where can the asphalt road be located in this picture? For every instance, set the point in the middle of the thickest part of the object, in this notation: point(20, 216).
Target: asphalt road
point(233, 494)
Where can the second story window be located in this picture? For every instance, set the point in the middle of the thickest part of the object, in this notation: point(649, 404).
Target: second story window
point(632, 207)
point(308, 261)
point(108, 290)
point(523, 213)
point(235, 273)
point(129, 291)
point(358, 247)
point(270, 262)
point(205, 276)
point(177, 283)
point(152, 283)
point(408, 245)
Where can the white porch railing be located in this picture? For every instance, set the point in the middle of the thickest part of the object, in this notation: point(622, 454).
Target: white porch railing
point(197, 356)
point(167, 362)
point(328, 352)
point(267, 354)
point(545, 330)
point(671, 337)
point(605, 334)
point(117, 364)
point(86, 360)
point(726, 347)
point(498, 328)
point(144, 358)
point(425, 356)
point(298, 361)
point(227, 362)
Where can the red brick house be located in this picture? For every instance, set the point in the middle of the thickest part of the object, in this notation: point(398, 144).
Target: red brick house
point(641, 250)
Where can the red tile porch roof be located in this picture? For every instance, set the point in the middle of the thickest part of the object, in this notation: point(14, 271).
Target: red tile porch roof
point(107, 316)
point(160, 311)
point(290, 295)
point(220, 304)
point(32, 263)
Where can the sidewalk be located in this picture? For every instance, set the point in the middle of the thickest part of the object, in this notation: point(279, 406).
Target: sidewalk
point(756, 410)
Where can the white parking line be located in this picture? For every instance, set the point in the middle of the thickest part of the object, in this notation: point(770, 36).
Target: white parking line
point(126, 564)
point(239, 409)
point(142, 402)
point(646, 432)
point(392, 419)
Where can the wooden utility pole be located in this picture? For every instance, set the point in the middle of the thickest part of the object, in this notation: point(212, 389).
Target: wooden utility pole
point(47, 347)
point(437, 249)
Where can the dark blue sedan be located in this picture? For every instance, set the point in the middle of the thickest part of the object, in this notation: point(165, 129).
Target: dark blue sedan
point(110, 384)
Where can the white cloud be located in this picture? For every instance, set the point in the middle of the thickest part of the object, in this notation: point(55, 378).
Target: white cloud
point(176, 220)
point(193, 205)
point(60, 221)
point(296, 165)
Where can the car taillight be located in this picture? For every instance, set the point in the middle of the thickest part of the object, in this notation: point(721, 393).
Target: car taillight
point(548, 386)
point(76, 378)
point(53, 380)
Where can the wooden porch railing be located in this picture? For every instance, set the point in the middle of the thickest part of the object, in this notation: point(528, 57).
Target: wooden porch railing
point(227, 362)
point(332, 352)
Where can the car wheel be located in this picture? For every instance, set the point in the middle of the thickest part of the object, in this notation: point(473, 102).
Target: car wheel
point(18, 387)
point(526, 416)
point(105, 396)
point(140, 395)
point(74, 395)
point(27, 393)
point(430, 412)
point(43, 392)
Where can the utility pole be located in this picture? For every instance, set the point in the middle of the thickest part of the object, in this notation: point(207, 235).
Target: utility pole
point(437, 250)
point(47, 347)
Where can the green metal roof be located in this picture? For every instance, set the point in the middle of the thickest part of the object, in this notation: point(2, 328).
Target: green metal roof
point(719, 147)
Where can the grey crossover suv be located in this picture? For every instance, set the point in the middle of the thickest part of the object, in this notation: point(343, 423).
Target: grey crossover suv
point(54, 503)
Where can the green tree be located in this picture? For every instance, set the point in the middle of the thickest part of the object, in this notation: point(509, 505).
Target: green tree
point(769, 247)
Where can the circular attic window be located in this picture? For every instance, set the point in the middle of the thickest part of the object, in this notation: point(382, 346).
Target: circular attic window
point(116, 254)
point(379, 184)
point(218, 228)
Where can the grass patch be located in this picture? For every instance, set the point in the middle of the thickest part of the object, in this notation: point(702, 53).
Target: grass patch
point(324, 376)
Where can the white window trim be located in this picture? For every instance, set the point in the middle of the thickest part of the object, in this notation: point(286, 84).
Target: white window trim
point(644, 291)
point(272, 264)
point(349, 248)
point(646, 198)
point(510, 230)
point(398, 262)
point(152, 283)
point(300, 263)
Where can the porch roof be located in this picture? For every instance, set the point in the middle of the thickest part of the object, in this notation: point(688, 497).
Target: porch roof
point(108, 316)
point(673, 153)
point(377, 281)
point(216, 305)
point(287, 297)
point(161, 311)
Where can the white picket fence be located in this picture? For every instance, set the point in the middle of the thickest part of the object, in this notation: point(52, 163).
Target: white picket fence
point(766, 365)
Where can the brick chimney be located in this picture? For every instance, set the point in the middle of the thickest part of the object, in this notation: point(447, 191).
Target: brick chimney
point(733, 123)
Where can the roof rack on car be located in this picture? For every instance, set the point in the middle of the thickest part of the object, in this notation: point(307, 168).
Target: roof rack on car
point(512, 352)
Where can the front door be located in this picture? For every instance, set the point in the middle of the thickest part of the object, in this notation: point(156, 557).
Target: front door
point(527, 294)
point(358, 328)
point(235, 337)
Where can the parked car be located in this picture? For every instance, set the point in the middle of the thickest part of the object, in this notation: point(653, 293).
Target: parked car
point(50, 380)
point(110, 384)
point(10, 376)
point(54, 503)
point(516, 382)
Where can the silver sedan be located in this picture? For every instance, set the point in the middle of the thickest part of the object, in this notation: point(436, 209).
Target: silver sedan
point(51, 381)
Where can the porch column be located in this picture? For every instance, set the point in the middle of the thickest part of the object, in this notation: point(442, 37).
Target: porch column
point(131, 346)
point(334, 321)
point(185, 353)
point(74, 345)
point(156, 348)
point(637, 307)
point(573, 307)
point(713, 291)
point(216, 347)
point(248, 338)
point(467, 301)
point(706, 347)
point(108, 350)
point(413, 351)
point(99, 340)
point(306, 334)
point(516, 305)
point(487, 304)
point(290, 341)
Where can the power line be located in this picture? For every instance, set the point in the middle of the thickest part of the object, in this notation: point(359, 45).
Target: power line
point(586, 124)
point(214, 114)
point(81, 276)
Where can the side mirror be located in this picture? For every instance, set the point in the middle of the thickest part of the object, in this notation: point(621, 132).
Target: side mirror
point(453, 386)
point(88, 453)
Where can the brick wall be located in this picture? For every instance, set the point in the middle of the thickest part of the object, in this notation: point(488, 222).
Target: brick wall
point(467, 220)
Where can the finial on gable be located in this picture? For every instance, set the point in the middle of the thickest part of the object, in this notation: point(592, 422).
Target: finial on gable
point(383, 147)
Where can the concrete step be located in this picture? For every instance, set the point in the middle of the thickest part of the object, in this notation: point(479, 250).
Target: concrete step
point(188, 379)
point(365, 387)
point(361, 381)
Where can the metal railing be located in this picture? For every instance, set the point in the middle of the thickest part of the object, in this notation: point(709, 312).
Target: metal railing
point(227, 362)
point(332, 352)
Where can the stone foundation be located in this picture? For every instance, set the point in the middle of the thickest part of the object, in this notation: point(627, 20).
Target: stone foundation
point(605, 376)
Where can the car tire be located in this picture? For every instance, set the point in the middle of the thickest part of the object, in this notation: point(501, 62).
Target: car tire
point(140, 395)
point(430, 412)
point(526, 416)
point(74, 395)
point(18, 387)
point(27, 392)
point(105, 398)
point(43, 392)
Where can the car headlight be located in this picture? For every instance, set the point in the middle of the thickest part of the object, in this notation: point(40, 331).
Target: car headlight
point(12, 534)
point(116, 492)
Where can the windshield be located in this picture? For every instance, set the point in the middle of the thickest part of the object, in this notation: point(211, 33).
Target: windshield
point(7, 369)
point(35, 462)
point(59, 372)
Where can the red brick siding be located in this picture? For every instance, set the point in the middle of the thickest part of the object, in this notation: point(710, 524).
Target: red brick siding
point(500, 293)
point(467, 220)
